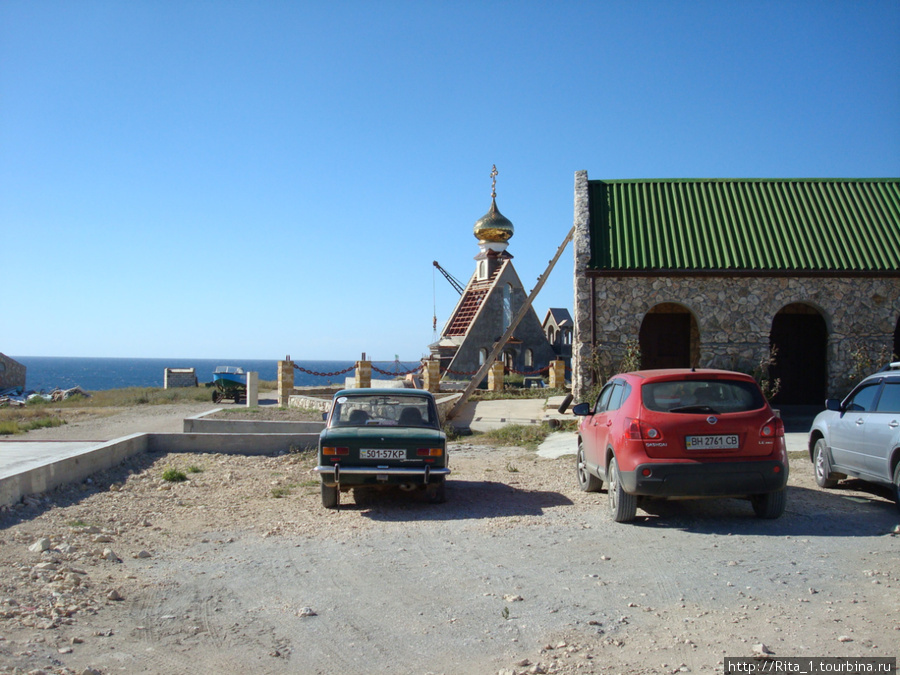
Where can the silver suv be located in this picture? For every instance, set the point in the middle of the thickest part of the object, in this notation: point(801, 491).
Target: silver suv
point(860, 436)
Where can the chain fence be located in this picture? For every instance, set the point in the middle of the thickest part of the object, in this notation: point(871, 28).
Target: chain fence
point(461, 372)
point(540, 371)
point(396, 373)
point(333, 374)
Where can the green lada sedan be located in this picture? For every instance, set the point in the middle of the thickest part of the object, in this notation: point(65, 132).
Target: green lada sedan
point(378, 438)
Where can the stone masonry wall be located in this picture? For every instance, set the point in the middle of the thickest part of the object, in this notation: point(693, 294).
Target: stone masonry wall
point(12, 373)
point(734, 315)
point(179, 377)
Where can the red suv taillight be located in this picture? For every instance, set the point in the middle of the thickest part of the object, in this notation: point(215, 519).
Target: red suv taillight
point(638, 431)
point(774, 428)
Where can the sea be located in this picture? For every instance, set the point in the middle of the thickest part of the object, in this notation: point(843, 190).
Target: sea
point(46, 373)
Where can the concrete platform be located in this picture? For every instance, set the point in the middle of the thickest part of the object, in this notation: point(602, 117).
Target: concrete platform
point(29, 467)
point(487, 415)
point(18, 456)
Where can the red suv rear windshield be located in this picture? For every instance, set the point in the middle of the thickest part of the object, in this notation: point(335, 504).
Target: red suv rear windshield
point(702, 396)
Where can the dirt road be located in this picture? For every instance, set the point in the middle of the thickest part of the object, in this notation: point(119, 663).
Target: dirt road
point(239, 569)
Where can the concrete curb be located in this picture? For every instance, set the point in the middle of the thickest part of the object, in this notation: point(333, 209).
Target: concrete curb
point(79, 464)
point(198, 424)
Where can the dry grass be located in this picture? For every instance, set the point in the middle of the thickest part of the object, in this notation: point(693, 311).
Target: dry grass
point(39, 413)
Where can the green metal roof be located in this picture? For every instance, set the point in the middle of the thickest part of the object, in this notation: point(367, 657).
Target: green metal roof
point(821, 225)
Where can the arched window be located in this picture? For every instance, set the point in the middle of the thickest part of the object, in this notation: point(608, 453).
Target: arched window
point(482, 355)
point(507, 306)
point(529, 358)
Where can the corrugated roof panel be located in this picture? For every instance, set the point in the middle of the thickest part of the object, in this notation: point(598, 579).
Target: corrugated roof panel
point(796, 224)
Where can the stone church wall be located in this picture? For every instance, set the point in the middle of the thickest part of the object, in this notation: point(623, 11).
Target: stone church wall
point(734, 316)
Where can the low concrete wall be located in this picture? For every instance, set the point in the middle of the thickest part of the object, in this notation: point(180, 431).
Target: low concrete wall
point(200, 435)
point(199, 424)
point(70, 468)
point(312, 402)
point(232, 444)
point(83, 463)
point(444, 404)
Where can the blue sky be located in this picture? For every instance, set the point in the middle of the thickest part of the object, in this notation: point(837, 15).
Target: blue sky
point(254, 179)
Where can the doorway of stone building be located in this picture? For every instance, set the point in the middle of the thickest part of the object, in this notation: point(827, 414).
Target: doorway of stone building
point(669, 338)
point(800, 335)
point(897, 339)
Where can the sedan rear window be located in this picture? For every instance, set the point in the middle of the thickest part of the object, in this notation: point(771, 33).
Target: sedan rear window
point(380, 410)
point(702, 396)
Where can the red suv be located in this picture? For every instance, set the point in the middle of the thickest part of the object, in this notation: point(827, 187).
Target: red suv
point(682, 433)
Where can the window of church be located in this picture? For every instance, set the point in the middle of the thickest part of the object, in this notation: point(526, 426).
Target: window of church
point(507, 306)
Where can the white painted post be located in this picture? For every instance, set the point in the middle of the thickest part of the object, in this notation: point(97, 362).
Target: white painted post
point(252, 390)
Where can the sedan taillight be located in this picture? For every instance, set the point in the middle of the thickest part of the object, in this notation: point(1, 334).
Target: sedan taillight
point(430, 452)
point(335, 451)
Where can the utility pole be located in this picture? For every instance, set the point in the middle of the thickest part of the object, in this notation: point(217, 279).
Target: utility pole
point(501, 343)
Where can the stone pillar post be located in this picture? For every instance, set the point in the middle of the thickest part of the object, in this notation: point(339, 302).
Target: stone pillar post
point(432, 375)
point(585, 322)
point(363, 375)
point(558, 374)
point(252, 389)
point(285, 381)
point(495, 376)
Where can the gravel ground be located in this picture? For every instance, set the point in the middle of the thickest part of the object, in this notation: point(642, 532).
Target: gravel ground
point(239, 569)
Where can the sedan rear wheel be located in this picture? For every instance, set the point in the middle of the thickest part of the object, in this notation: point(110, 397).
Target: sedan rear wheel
point(436, 493)
point(587, 481)
point(622, 506)
point(824, 477)
point(329, 496)
point(769, 505)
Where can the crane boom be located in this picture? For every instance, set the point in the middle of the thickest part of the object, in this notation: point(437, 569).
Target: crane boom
point(449, 277)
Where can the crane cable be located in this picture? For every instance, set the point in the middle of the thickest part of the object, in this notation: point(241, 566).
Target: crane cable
point(434, 300)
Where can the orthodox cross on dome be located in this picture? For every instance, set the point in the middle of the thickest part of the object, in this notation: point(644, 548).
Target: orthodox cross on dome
point(493, 229)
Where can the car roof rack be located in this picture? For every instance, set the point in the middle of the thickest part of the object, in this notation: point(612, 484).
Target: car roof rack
point(892, 366)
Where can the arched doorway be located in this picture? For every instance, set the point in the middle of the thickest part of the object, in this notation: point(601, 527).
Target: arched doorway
point(800, 335)
point(509, 359)
point(669, 338)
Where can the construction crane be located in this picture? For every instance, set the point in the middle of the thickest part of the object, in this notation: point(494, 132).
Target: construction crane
point(449, 277)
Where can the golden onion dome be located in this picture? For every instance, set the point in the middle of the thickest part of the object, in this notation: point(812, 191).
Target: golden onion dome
point(493, 226)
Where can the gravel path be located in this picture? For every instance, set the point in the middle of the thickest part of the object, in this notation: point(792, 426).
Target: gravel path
point(239, 569)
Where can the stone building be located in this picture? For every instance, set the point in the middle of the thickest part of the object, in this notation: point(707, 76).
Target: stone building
point(558, 328)
point(179, 377)
point(12, 373)
point(487, 306)
point(713, 273)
